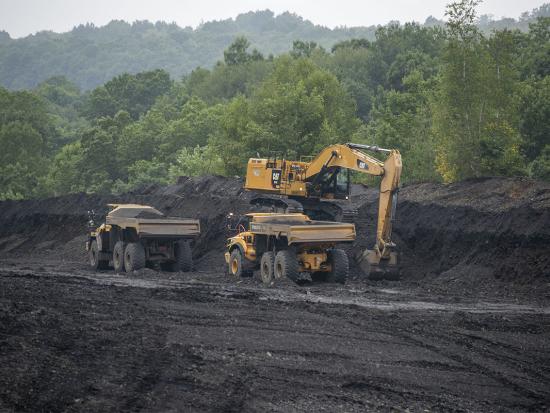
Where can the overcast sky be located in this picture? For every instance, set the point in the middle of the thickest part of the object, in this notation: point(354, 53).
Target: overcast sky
point(23, 17)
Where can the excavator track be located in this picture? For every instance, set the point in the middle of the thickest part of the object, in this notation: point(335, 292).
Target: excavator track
point(280, 204)
point(337, 211)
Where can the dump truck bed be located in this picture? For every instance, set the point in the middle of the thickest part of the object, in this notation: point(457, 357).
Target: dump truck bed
point(163, 227)
point(298, 230)
point(148, 222)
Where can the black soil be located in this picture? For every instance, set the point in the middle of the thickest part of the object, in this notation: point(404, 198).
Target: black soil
point(466, 328)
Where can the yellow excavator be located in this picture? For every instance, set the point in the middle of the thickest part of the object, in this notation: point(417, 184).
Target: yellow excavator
point(317, 187)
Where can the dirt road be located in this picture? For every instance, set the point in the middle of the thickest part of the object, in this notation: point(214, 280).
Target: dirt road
point(75, 340)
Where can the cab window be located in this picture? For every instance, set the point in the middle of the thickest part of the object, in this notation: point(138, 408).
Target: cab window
point(342, 181)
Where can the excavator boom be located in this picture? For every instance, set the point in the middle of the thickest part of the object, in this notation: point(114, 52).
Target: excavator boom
point(346, 156)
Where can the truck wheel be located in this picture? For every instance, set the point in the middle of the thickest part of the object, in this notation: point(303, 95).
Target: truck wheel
point(118, 257)
point(134, 257)
point(286, 265)
point(340, 266)
point(267, 265)
point(93, 255)
point(184, 256)
point(236, 263)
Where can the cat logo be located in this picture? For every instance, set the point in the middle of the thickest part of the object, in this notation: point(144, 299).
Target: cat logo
point(362, 165)
point(276, 178)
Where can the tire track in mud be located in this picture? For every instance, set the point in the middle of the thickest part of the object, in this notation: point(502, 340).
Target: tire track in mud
point(392, 302)
point(244, 347)
point(486, 365)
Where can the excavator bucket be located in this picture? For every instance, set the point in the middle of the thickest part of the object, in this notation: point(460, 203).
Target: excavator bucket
point(376, 268)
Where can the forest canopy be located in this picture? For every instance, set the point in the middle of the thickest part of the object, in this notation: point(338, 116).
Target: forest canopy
point(457, 101)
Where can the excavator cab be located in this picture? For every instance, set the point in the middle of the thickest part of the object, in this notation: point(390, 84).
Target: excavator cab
point(334, 183)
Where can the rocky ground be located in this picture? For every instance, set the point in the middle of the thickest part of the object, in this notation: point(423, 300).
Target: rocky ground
point(466, 328)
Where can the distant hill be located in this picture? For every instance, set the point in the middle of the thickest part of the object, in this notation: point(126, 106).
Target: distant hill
point(89, 55)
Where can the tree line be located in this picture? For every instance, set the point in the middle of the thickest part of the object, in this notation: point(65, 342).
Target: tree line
point(458, 103)
point(90, 56)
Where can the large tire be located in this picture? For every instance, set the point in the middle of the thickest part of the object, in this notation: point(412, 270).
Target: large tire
point(93, 256)
point(286, 265)
point(267, 268)
point(236, 263)
point(118, 257)
point(134, 257)
point(340, 266)
point(184, 256)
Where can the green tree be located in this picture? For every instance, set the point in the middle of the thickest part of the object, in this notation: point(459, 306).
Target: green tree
point(403, 120)
point(225, 82)
point(63, 104)
point(534, 110)
point(59, 90)
point(26, 131)
point(540, 167)
point(198, 161)
point(351, 44)
point(142, 173)
point(536, 56)
point(65, 174)
point(238, 134)
point(134, 94)
point(474, 123)
point(237, 52)
point(303, 108)
point(195, 124)
point(141, 140)
point(367, 68)
point(99, 167)
point(304, 49)
point(22, 162)
point(297, 110)
point(355, 68)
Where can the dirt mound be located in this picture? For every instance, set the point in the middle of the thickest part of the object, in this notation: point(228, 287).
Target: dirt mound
point(469, 233)
point(500, 226)
point(57, 225)
point(465, 233)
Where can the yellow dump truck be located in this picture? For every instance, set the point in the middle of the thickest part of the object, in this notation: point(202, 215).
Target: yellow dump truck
point(285, 245)
point(134, 236)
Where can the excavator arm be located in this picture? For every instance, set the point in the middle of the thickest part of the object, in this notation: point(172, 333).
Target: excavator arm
point(346, 156)
point(351, 156)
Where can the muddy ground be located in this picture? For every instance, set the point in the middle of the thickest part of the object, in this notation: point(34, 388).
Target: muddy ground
point(466, 328)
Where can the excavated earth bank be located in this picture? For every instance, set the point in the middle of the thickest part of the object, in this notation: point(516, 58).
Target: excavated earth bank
point(466, 328)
